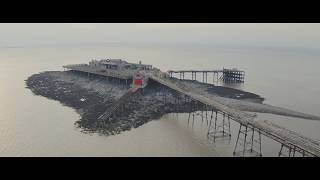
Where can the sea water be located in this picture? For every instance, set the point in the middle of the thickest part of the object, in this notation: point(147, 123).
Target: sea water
point(35, 126)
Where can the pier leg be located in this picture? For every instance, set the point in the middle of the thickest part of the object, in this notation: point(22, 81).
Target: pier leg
point(206, 113)
point(201, 115)
point(252, 140)
point(203, 77)
point(245, 138)
point(206, 77)
point(229, 125)
point(210, 123)
point(211, 117)
point(289, 151)
point(213, 78)
point(235, 147)
point(215, 121)
point(190, 110)
point(280, 152)
point(193, 115)
point(223, 124)
point(260, 143)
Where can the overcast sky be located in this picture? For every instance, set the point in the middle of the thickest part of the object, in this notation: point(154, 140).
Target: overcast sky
point(291, 35)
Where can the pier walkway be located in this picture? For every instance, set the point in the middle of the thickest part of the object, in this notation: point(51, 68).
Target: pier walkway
point(125, 75)
point(292, 140)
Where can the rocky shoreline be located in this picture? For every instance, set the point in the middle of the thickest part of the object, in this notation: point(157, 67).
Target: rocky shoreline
point(91, 96)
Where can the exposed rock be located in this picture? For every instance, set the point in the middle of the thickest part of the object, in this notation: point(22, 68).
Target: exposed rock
point(91, 96)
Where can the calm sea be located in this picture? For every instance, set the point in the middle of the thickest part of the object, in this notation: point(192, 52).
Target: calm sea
point(35, 126)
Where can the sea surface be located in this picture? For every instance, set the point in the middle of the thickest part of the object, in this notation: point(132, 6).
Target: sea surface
point(35, 126)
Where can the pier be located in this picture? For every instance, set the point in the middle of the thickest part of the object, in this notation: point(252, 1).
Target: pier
point(250, 128)
point(287, 138)
point(226, 75)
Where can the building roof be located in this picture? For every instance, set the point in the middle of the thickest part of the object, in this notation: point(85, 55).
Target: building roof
point(120, 61)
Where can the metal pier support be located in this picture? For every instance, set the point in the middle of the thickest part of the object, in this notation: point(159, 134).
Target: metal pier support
point(181, 75)
point(204, 77)
point(247, 144)
point(288, 150)
point(220, 129)
point(191, 110)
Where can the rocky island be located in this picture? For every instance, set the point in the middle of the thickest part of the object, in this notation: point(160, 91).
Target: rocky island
point(142, 93)
point(91, 96)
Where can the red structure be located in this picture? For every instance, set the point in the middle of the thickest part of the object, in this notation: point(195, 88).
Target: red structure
point(138, 80)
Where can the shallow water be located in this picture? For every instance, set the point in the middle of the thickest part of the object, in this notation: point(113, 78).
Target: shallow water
point(35, 126)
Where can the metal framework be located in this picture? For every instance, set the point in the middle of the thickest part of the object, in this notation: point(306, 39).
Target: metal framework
point(226, 75)
point(220, 128)
point(247, 144)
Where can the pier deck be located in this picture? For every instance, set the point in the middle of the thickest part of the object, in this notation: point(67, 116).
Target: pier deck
point(280, 134)
point(126, 75)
